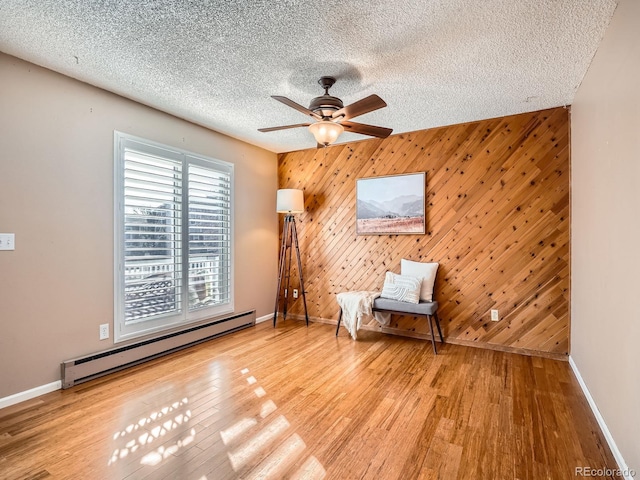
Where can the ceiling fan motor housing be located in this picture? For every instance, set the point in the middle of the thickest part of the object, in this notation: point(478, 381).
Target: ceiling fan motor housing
point(325, 105)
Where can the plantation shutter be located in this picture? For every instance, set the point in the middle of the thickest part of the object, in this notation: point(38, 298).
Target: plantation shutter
point(153, 240)
point(209, 235)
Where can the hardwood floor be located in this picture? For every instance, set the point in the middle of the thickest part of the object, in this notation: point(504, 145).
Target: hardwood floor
point(297, 402)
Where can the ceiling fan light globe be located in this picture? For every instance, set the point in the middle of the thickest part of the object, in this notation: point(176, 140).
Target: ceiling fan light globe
point(326, 132)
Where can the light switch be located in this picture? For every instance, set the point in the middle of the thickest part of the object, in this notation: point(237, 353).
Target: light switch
point(7, 241)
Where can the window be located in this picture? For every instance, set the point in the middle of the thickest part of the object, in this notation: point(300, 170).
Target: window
point(173, 237)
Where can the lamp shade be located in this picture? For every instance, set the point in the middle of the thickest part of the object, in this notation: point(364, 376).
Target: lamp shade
point(290, 200)
point(326, 132)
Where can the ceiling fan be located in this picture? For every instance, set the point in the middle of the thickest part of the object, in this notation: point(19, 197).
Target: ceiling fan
point(332, 117)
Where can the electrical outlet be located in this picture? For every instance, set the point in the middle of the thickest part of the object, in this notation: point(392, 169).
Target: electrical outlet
point(7, 241)
point(104, 331)
point(295, 293)
point(495, 316)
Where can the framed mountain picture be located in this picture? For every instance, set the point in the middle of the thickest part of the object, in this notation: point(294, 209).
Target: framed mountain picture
point(391, 205)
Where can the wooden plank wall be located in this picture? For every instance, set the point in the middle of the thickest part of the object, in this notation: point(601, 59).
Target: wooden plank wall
point(497, 222)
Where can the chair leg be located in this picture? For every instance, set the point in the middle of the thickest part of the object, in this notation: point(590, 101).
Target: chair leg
point(435, 314)
point(433, 338)
point(339, 320)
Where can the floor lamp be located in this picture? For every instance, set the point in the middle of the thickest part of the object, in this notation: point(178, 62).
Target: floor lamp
point(289, 201)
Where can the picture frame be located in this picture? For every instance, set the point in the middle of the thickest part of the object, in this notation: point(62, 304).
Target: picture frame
point(392, 204)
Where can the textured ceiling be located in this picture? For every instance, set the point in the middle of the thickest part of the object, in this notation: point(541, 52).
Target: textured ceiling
point(216, 63)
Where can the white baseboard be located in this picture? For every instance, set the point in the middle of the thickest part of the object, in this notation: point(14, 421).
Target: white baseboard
point(29, 394)
point(264, 318)
point(622, 465)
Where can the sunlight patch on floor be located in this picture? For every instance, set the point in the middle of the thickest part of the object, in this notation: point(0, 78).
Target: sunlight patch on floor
point(254, 449)
point(148, 429)
point(267, 408)
point(236, 430)
point(312, 469)
point(242, 455)
point(156, 456)
point(279, 460)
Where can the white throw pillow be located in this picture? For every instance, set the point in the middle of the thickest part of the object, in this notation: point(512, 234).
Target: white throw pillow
point(426, 272)
point(401, 287)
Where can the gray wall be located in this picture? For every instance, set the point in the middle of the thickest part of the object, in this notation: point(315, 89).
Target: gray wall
point(605, 316)
point(56, 195)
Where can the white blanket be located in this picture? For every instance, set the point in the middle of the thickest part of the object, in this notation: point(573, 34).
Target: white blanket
point(355, 305)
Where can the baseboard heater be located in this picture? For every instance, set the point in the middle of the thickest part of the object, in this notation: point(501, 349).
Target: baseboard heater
point(87, 368)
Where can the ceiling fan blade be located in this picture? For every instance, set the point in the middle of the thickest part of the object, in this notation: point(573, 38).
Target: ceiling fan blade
point(364, 129)
point(296, 106)
point(284, 127)
point(366, 105)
